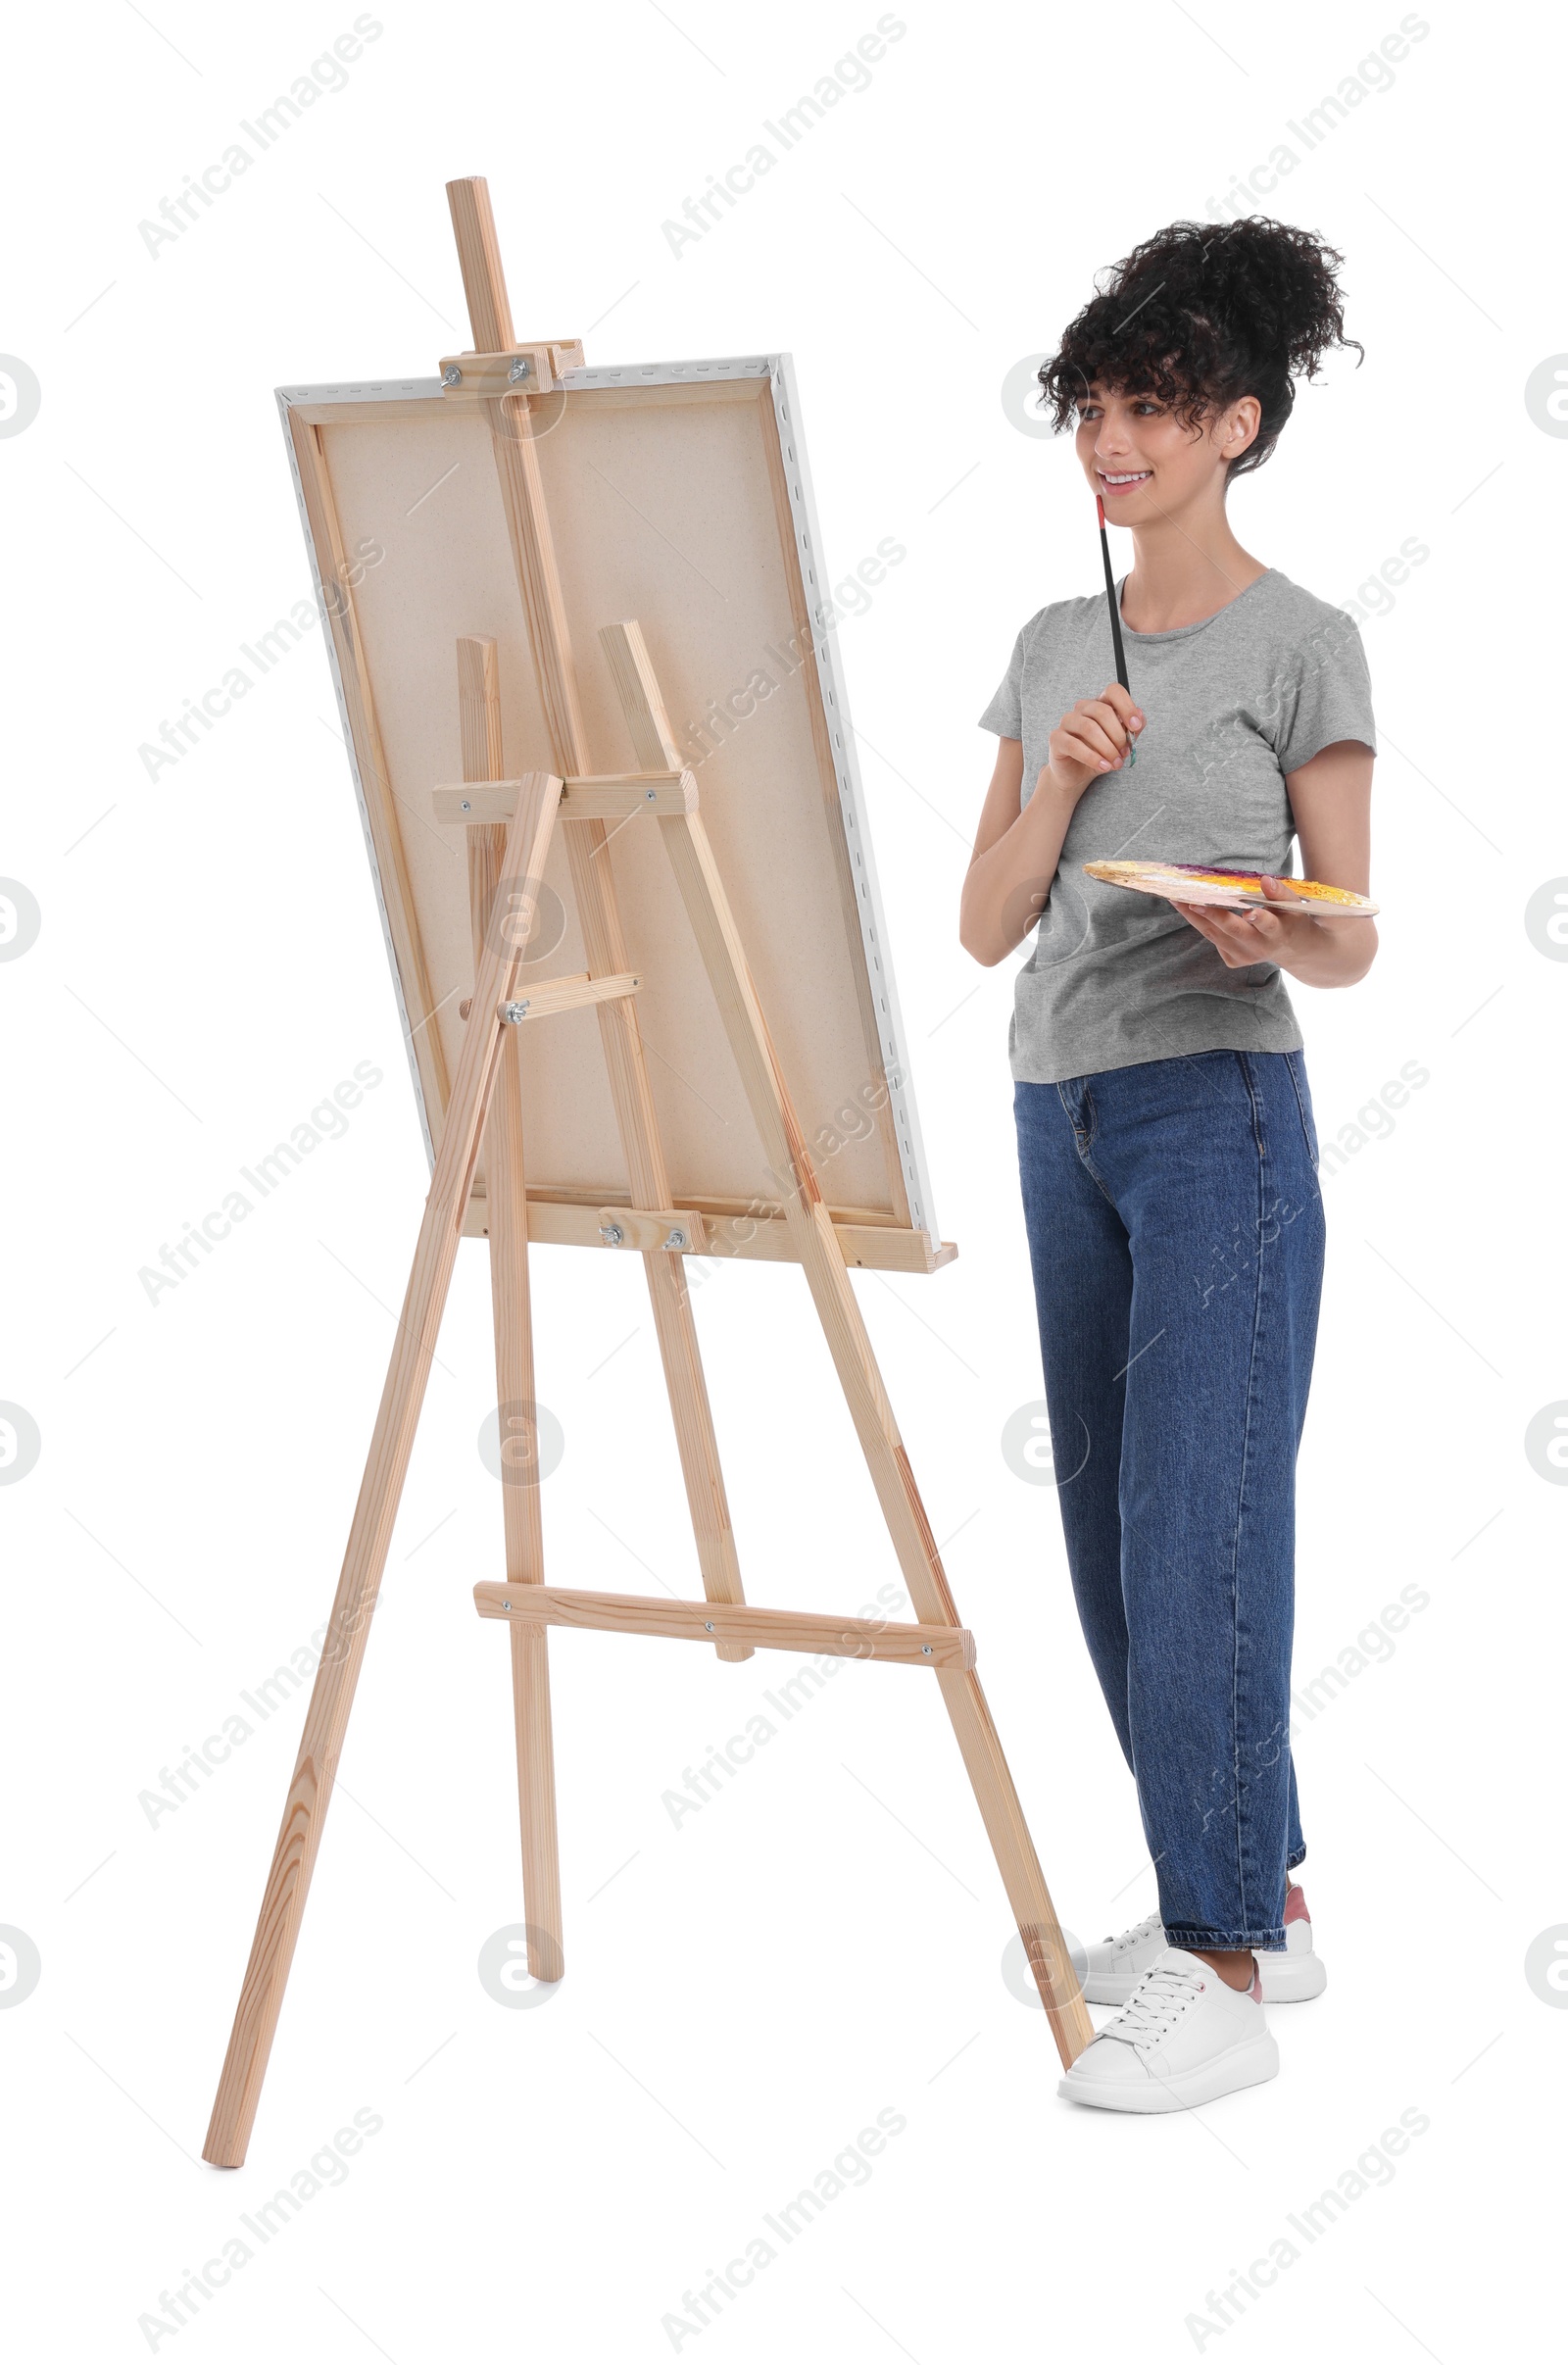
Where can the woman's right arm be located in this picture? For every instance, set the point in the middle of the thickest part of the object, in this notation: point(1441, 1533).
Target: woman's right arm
point(1015, 853)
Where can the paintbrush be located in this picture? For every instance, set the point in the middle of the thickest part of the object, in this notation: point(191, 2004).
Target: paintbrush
point(1116, 622)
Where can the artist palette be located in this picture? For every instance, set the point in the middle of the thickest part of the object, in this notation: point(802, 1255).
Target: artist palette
point(1230, 890)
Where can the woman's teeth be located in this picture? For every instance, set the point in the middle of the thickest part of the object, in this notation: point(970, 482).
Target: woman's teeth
point(1118, 483)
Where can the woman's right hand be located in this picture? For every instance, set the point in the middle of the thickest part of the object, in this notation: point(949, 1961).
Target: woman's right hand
point(1092, 740)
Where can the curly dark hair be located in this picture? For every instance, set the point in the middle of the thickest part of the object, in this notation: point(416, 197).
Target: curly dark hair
point(1201, 314)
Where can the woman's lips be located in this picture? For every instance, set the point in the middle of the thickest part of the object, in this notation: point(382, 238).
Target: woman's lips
point(1129, 483)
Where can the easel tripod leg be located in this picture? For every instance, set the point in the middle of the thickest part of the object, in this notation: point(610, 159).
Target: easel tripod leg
point(823, 1262)
point(716, 1556)
point(530, 1659)
point(326, 1720)
point(506, 1205)
point(1045, 1947)
point(391, 1446)
point(669, 1295)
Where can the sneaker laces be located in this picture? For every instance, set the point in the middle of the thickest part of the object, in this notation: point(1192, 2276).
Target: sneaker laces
point(1134, 1936)
point(1158, 2000)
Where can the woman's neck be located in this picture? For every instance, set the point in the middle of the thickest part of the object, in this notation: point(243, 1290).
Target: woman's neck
point(1183, 571)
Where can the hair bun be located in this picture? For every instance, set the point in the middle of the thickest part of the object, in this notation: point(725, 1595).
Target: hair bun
point(1201, 314)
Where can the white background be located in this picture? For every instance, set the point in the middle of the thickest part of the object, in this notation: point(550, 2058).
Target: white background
point(823, 1940)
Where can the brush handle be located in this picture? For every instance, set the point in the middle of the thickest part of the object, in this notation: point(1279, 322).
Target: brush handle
point(1111, 600)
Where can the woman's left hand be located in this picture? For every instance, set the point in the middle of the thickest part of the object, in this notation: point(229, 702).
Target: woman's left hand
point(1317, 952)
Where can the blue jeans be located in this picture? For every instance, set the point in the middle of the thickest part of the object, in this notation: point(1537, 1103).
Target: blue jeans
point(1176, 1234)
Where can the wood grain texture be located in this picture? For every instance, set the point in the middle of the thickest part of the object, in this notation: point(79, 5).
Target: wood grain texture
point(382, 817)
point(484, 285)
point(550, 995)
point(903, 1645)
point(642, 1228)
point(391, 1444)
point(593, 889)
point(487, 376)
point(1002, 1813)
point(613, 797)
point(674, 396)
point(484, 280)
point(801, 604)
point(479, 718)
point(366, 414)
point(729, 1231)
point(642, 701)
point(480, 708)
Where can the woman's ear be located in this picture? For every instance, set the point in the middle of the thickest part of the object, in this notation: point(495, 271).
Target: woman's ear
point(1244, 423)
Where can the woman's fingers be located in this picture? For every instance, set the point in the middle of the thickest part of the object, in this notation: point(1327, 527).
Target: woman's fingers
point(1124, 704)
point(1094, 737)
point(1239, 937)
point(1081, 747)
point(1095, 729)
point(1109, 716)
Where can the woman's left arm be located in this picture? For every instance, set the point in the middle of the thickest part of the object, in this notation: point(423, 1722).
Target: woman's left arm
point(1331, 799)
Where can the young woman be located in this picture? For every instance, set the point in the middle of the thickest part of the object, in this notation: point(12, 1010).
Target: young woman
point(1166, 1145)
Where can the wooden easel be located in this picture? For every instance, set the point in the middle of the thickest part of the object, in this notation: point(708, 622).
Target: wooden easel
point(509, 824)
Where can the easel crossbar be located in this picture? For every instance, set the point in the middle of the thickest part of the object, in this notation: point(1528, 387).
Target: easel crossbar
point(587, 796)
point(566, 994)
point(903, 1645)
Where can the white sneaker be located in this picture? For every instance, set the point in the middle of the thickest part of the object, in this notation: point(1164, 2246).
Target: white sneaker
point(1117, 1964)
point(1184, 2038)
point(1297, 1973)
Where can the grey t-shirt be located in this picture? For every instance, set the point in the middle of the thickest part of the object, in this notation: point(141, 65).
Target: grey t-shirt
point(1232, 704)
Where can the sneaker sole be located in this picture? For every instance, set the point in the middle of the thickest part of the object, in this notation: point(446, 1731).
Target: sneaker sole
point(1249, 2064)
point(1287, 1979)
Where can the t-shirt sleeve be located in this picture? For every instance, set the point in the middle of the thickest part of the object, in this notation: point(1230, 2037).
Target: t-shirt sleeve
point(1327, 697)
point(1004, 713)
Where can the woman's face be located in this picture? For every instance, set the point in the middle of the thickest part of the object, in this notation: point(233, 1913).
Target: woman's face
point(1146, 463)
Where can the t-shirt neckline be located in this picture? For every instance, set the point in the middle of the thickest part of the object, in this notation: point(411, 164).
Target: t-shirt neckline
point(1179, 632)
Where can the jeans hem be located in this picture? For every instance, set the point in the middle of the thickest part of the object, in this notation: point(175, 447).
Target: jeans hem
point(1292, 1861)
point(1216, 1942)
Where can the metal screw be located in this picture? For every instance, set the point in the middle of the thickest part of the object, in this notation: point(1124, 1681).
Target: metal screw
point(467, 806)
point(677, 1238)
point(521, 368)
point(708, 1623)
point(451, 375)
point(513, 1013)
point(925, 1650)
point(651, 796)
point(612, 1235)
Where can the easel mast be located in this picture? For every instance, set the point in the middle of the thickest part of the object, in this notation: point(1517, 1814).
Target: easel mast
point(507, 861)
